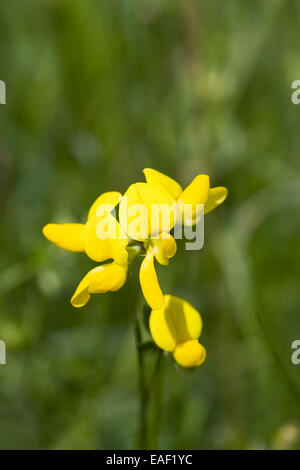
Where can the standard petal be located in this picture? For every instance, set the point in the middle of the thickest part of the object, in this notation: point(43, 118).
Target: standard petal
point(66, 236)
point(170, 185)
point(149, 282)
point(111, 198)
point(215, 197)
point(109, 277)
point(175, 322)
point(163, 248)
point(192, 197)
point(146, 209)
point(104, 239)
point(190, 354)
point(197, 191)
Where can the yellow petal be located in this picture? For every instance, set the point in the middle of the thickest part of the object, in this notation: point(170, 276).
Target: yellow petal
point(163, 248)
point(190, 354)
point(175, 322)
point(170, 185)
point(111, 198)
point(190, 199)
point(215, 197)
point(146, 210)
point(66, 236)
point(104, 239)
point(149, 282)
point(197, 191)
point(109, 277)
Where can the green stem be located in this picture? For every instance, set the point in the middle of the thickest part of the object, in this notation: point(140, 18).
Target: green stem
point(158, 386)
point(143, 435)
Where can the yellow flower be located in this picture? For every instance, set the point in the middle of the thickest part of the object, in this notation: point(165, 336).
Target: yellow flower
point(197, 192)
point(71, 237)
point(147, 213)
point(105, 278)
point(176, 327)
point(101, 238)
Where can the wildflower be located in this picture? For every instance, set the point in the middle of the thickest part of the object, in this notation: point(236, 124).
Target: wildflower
point(158, 204)
point(196, 193)
point(105, 278)
point(175, 327)
point(101, 238)
point(71, 236)
point(147, 214)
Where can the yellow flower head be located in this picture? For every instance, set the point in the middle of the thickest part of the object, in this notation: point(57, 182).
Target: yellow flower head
point(105, 278)
point(197, 192)
point(101, 238)
point(147, 213)
point(176, 327)
point(75, 237)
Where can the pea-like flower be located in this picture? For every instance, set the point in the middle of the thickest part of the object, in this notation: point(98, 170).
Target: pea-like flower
point(101, 238)
point(176, 327)
point(198, 192)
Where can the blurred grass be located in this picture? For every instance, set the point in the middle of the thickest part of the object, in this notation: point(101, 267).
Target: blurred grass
point(96, 91)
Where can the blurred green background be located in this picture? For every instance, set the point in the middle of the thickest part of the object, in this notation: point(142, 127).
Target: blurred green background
point(96, 91)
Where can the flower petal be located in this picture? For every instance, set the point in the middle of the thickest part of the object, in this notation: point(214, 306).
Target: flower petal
point(215, 197)
point(149, 282)
point(111, 198)
point(163, 248)
point(194, 194)
point(105, 239)
point(170, 185)
point(190, 354)
point(66, 236)
point(175, 322)
point(146, 210)
point(197, 191)
point(109, 277)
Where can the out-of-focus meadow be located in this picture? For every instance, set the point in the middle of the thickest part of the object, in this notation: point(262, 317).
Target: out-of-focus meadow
point(96, 91)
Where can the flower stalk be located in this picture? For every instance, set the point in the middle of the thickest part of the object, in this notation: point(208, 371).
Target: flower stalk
point(143, 398)
point(158, 393)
